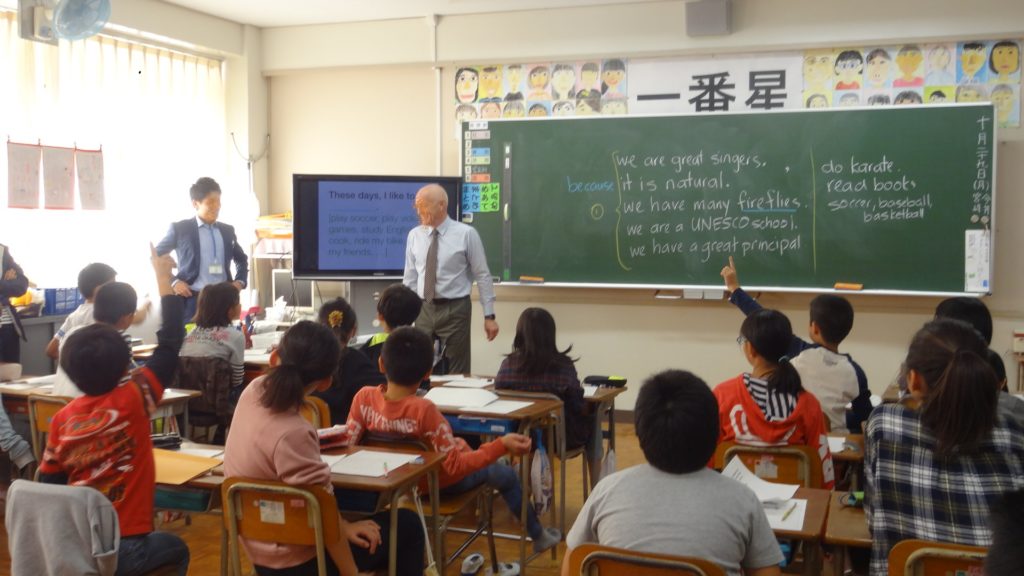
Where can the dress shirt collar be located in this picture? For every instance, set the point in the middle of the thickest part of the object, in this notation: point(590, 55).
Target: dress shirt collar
point(200, 223)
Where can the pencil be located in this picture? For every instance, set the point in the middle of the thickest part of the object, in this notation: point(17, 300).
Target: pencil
point(788, 512)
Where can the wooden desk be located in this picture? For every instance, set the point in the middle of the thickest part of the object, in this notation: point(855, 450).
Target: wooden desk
point(396, 483)
point(543, 411)
point(892, 394)
point(851, 457)
point(604, 399)
point(813, 529)
point(847, 527)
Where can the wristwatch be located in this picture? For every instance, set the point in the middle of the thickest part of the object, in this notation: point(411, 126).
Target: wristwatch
point(489, 316)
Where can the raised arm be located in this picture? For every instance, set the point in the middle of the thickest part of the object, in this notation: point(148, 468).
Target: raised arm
point(164, 361)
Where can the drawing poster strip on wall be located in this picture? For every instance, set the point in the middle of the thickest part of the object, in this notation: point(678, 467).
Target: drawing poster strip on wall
point(58, 178)
point(22, 175)
point(90, 179)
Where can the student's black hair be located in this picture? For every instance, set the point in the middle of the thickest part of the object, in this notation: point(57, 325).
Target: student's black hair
point(959, 404)
point(399, 305)
point(308, 352)
point(213, 308)
point(876, 53)
point(908, 96)
point(1003, 44)
point(879, 100)
point(203, 188)
point(114, 301)
point(995, 361)
point(339, 316)
point(848, 55)
point(770, 332)
point(95, 357)
point(1006, 556)
point(970, 310)
point(834, 316)
point(93, 276)
point(672, 406)
point(534, 348)
point(408, 356)
point(613, 65)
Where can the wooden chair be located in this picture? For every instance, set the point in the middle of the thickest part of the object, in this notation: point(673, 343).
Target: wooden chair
point(923, 558)
point(316, 412)
point(786, 464)
point(276, 512)
point(449, 506)
point(607, 561)
point(41, 409)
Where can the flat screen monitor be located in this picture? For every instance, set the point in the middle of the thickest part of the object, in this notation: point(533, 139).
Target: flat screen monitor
point(355, 227)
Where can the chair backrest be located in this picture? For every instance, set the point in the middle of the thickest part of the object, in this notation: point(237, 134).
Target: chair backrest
point(276, 512)
point(786, 464)
point(83, 519)
point(921, 558)
point(41, 409)
point(316, 412)
point(212, 377)
point(607, 561)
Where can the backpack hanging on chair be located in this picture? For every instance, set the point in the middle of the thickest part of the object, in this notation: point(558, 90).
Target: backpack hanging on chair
point(541, 478)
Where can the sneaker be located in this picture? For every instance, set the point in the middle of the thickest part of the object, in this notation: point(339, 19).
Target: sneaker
point(505, 569)
point(471, 565)
point(549, 538)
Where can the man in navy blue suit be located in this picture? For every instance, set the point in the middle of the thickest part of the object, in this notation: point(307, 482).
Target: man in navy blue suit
point(205, 248)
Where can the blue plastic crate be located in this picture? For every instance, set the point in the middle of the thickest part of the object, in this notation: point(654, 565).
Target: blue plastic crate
point(61, 300)
point(481, 425)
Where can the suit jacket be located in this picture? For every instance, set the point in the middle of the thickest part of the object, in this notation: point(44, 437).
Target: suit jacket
point(183, 238)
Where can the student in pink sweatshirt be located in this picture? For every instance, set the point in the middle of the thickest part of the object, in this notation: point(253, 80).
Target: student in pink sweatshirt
point(269, 440)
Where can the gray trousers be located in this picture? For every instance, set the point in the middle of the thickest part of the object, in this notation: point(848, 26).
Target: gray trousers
point(450, 322)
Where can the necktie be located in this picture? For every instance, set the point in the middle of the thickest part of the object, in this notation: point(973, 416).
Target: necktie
point(430, 279)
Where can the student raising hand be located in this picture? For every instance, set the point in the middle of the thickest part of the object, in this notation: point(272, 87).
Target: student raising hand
point(732, 283)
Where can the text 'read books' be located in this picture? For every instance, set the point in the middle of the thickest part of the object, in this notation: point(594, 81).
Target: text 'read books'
point(473, 400)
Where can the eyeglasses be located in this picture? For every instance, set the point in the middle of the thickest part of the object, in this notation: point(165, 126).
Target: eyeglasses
point(740, 340)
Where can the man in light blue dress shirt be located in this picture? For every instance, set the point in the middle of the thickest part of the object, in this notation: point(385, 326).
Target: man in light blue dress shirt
point(443, 276)
point(205, 247)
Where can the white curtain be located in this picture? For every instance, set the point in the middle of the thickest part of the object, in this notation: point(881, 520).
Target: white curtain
point(160, 119)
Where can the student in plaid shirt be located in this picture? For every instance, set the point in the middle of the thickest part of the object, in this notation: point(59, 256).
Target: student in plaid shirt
point(936, 463)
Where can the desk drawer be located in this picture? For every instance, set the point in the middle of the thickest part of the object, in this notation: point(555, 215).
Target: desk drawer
point(481, 425)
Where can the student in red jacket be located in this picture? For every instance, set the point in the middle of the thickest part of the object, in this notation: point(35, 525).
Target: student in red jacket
point(768, 406)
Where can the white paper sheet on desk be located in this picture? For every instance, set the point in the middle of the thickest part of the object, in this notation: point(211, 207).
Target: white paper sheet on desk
point(256, 357)
point(48, 389)
point(460, 397)
point(446, 377)
point(371, 463)
point(589, 390)
point(794, 521)
point(469, 383)
point(502, 407)
point(16, 386)
point(38, 380)
point(173, 393)
point(331, 459)
point(836, 444)
point(765, 491)
point(204, 452)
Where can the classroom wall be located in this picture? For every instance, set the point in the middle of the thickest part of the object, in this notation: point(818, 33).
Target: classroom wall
point(344, 100)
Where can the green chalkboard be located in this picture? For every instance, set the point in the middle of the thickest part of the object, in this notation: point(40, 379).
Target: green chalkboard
point(894, 199)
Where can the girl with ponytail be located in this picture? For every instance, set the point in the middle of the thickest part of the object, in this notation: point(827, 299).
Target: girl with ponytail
point(354, 369)
point(269, 440)
point(768, 406)
point(936, 463)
